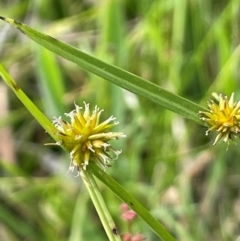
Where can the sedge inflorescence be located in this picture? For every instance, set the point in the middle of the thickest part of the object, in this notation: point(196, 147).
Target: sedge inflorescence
point(224, 117)
point(86, 138)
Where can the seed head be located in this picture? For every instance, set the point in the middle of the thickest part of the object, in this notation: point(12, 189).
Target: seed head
point(223, 116)
point(86, 139)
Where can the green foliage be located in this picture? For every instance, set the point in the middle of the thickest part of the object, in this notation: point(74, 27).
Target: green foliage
point(190, 48)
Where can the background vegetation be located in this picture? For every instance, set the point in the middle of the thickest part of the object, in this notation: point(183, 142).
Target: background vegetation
point(190, 48)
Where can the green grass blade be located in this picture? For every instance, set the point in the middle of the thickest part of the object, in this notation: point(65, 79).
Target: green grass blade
point(179, 16)
point(15, 223)
point(111, 73)
point(160, 230)
point(38, 115)
point(50, 82)
point(111, 22)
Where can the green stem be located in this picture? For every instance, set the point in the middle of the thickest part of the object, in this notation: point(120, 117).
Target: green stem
point(100, 206)
point(157, 227)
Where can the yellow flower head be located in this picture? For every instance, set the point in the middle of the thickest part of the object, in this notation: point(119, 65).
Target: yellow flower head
point(86, 139)
point(223, 117)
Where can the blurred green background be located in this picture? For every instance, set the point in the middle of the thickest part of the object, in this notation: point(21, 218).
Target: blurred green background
point(189, 47)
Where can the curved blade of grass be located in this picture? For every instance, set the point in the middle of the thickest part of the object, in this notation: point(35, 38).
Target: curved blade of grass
point(113, 74)
point(111, 183)
point(50, 82)
point(157, 227)
point(37, 114)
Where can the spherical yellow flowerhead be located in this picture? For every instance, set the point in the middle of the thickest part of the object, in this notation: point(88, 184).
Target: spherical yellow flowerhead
point(223, 117)
point(86, 139)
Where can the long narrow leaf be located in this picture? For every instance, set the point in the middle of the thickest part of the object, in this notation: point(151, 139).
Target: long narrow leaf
point(38, 115)
point(50, 82)
point(111, 73)
point(113, 185)
point(157, 227)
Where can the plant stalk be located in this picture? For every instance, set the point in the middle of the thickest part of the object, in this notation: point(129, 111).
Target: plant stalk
point(100, 205)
